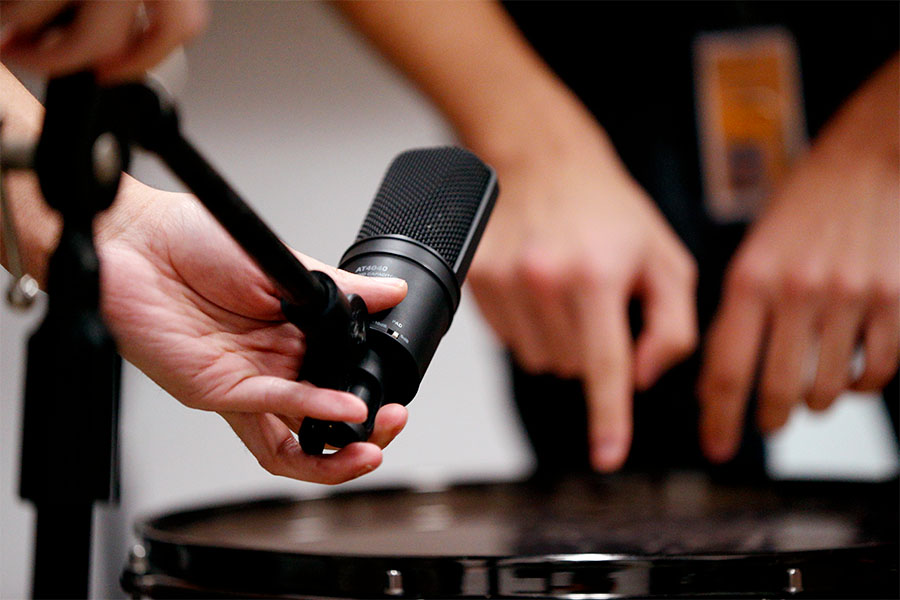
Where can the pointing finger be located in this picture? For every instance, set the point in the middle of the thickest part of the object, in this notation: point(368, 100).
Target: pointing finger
point(606, 344)
point(730, 358)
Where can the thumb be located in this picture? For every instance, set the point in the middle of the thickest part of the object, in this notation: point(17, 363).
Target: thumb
point(380, 293)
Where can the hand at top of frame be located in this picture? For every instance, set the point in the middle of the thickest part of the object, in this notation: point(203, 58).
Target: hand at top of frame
point(119, 40)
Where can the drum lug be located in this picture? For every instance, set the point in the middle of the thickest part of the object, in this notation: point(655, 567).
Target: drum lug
point(394, 585)
point(137, 560)
point(795, 581)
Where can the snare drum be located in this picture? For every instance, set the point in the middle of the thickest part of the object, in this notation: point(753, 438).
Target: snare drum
point(613, 537)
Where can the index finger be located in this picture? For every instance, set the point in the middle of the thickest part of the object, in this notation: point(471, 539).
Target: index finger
point(730, 358)
point(607, 346)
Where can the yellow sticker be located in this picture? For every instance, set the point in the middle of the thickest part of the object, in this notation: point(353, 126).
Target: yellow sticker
point(750, 117)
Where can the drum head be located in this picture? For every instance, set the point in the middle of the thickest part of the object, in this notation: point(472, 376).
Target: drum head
point(621, 536)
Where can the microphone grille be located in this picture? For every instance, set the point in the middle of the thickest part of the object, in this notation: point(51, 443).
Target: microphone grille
point(432, 196)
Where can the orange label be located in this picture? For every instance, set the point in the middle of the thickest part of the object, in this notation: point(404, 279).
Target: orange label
point(750, 117)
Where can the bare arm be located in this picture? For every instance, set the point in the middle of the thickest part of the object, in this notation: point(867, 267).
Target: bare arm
point(473, 62)
point(37, 224)
point(573, 237)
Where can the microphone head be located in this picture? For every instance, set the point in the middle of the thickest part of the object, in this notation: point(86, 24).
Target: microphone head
point(423, 227)
point(438, 197)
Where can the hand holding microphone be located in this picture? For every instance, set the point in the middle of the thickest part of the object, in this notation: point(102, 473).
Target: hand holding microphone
point(223, 344)
point(423, 227)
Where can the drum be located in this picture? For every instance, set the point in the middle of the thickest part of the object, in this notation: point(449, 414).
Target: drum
point(678, 536)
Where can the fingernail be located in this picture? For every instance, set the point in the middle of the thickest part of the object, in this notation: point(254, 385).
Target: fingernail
point(607, 455)
point(395, 281)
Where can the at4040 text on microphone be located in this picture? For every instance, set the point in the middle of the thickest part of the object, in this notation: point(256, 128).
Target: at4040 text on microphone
point(424, 225)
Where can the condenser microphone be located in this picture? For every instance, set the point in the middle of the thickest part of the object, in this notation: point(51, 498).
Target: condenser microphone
point(424, 226)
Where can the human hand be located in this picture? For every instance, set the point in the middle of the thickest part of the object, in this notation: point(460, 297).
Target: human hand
point(119, 40)
point(815, 277)
point(193, 312)
point(572, 240)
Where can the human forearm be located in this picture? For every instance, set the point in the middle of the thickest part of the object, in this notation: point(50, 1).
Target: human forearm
point(866, 126)
point(38, 226)
point(472, 61)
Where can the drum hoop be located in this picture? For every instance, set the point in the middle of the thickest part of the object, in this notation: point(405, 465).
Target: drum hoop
point(806, 572)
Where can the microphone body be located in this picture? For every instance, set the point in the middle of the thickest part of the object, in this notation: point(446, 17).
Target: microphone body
point(424, 226)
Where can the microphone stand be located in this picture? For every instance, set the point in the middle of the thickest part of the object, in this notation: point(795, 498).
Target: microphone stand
point(69, 439)
point(73, 371)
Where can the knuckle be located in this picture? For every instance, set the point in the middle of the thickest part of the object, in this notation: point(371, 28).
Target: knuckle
point(532, 362)
point(750, 275)
point(879, 372)
point(192, 402)
point(489, 275)
point(682, 340)
point(885, 292)
point(848, 286)
point(288, 342)
point(207, 397)
point(478, 278)
point(683, 264)
point(539, 274)
point(690, 272)
point(275, 460)
point(881, 354)
point(195, 19)
point(719, 384)
point(599, 273)
point(802, 283)
point(776, 394)
point(568, 368)
point(823, 395)
point(270, 392)
point(268, 463)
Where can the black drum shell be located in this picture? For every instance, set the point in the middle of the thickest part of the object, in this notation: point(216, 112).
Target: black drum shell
point(603, 538)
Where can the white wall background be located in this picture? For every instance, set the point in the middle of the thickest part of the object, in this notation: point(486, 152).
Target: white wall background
point(304, 119)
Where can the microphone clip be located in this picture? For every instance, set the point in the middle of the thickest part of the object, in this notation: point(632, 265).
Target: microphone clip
point(334, 334)
point(338, 357)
